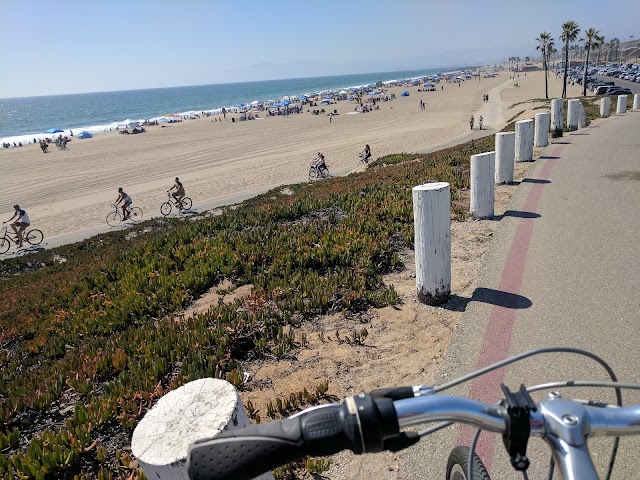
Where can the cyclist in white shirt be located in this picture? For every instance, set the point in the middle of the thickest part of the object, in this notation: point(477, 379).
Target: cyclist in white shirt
point(22, 222)
point(126, 201)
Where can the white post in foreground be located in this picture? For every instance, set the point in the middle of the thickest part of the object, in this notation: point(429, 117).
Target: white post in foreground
point(542, 129)
point(482, 184)
point(605, 107)
point(505, 155)
point(200, 409)
point(573, 113)
point(557, 120)
point(582, 117)
point(432, 225)
point(636, 101)
point(524, 141)
point(622, 104)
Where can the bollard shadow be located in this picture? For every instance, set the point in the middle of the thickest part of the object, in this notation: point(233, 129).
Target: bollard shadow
point(585, 134)
point(517, 214)
point(535, 180)
point(549, 157)
point(490, 296)
point(562, 143)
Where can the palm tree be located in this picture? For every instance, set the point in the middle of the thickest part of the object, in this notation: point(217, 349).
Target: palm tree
point(517, 59)
point(592, 40)
point(601, 44)
point(544, 42)
point(614, 44)
point(570, 32)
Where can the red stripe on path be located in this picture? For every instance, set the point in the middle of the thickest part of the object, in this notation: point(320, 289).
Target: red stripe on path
point(497, 336)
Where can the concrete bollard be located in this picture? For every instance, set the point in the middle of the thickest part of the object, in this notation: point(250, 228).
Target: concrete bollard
point(573, 113)
point(505, 155)
point(483, 184)
point(541, 134)
point(605, 107)
point(200, 409)
point(636, 101)
point(622, 104)
point(524, 141)
point(432, 245)
point(557, 117)
point(582, 117)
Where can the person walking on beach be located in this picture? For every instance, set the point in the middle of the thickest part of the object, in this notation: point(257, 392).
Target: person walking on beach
point(471, 121)
point(126, 201)
point(480, 122)
point(22, 221)
point(179, 194)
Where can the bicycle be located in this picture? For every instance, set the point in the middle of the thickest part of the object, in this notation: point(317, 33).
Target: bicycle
point(33, 237)
point(115, 218)
point(166, 207)
point(363, 159)
point(315, 172)
point(372, 422)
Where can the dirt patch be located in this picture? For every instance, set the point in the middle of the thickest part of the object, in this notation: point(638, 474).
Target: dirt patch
point(404, 344)
point(225, 292)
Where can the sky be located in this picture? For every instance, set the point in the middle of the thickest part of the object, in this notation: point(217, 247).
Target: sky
point(77, 46)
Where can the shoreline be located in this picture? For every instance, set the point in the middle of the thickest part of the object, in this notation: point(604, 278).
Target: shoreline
point(71, 191)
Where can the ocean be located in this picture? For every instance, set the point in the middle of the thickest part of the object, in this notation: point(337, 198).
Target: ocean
point(23, 119)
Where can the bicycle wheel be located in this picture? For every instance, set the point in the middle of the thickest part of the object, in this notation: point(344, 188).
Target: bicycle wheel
point(186, 203)
point(165, 208)
point(114, 219)
point(324, 172)
point(35, 236)
point(313, 173)
point(135, 215)
point(458, 465)
point(5, 245)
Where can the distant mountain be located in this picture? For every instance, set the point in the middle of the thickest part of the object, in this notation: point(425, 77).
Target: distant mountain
point(313, 68)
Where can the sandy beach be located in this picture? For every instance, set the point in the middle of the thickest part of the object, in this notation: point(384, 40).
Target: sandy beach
point(70, 191)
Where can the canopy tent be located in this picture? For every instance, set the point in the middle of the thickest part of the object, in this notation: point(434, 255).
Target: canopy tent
point(53, 130)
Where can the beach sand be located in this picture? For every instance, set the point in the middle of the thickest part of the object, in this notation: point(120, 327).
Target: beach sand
point(71, 191)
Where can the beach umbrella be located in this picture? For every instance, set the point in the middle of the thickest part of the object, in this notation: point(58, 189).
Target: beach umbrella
point(54, 130)
point(286, 102)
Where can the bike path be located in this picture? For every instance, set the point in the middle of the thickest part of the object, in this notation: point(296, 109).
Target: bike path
point(564, 271)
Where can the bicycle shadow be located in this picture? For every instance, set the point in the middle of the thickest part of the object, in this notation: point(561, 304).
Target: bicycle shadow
point(24, 250)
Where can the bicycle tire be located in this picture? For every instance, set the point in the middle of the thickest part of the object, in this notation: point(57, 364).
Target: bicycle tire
point(114, 219)
point(458, 465)
point(186, 203)
point(324, 172)
point(135, 214)
point(5, 245)
point(165, 208)
point(35, 236)
point(313, 174)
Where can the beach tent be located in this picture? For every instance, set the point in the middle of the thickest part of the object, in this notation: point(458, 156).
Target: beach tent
point(375, 92)
point(84, 134)
point(54, 130)
point(255, 102)
point(325, 102)
point(353, 97)
point(404, 93)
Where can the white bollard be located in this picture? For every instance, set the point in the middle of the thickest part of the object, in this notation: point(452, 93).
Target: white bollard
point(636, 101)
point(557, 117)
point(582, 117)
point(622, 104)
point(541, 134)
point(432, 245)
point(605, 107)
point(505, 155)
point(573, 113)
point(200, 409)
point(524, 141)
point(482, 184)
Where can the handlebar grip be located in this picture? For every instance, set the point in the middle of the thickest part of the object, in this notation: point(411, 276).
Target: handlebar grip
point(256, 449)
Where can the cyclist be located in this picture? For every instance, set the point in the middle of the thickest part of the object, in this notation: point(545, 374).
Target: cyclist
point(178, 195)
point(366, 153)
point(319, 163)
point(22, 221)
point(126, 202)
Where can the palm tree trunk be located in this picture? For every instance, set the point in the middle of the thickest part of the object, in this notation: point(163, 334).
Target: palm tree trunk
point(566, 67)
point(584, 75)
point(546, 76)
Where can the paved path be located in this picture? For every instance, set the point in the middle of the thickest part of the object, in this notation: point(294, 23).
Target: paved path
point(563, 269)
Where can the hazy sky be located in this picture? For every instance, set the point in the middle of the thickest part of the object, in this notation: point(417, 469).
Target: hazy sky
point(53, 47)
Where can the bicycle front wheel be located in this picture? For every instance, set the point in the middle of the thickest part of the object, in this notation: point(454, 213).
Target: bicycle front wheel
point(458, 465)
point(35, 236)
point(135, 215)
point(165, 208)
point(312, 174)
point(5, 245)
point(186, 203)
point(114, 219)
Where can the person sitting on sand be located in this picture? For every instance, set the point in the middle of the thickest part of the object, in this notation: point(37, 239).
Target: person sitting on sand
point(179, 194)
point(22, 221)
point(126, 201)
